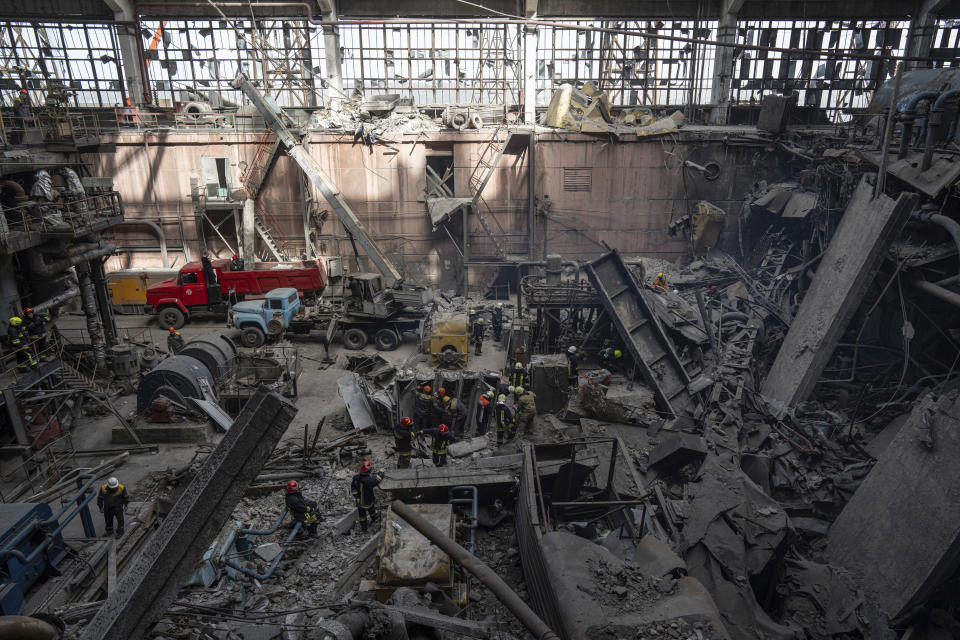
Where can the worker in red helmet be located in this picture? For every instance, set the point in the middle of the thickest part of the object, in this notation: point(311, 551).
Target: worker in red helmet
point(403, 435)
point(303, 511)
point(436, 411)
point(38, 332)
point(175, 342)
point(441, 440)
point(236, 263)
point(361, 488)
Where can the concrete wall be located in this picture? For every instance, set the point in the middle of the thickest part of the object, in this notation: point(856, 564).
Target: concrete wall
point(637, 186)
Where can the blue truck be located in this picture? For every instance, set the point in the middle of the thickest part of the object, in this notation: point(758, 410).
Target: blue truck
point(266, 318)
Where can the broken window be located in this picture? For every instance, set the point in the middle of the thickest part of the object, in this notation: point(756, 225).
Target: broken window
point(440, 173)
point(216, 177)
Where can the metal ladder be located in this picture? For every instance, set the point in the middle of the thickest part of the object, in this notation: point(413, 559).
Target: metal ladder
point(486, 164)
point(259, 168)
point(266, 233)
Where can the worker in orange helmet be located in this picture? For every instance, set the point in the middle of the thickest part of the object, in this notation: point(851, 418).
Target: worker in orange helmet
point(436, 411)
point(441, 439)
point(423, 407)
point(303, 511)
point(361, 488)
point(174, 342)
point(403, 435)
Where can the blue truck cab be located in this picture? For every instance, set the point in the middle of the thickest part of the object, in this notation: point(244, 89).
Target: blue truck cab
point(265, 318)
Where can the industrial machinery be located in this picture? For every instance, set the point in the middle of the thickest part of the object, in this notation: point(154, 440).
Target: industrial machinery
point(193, 373)
point(31, 542)
point(447, 341)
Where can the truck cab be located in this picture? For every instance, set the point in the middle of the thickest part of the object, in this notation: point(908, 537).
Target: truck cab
point(266, 318)
point(365, 295)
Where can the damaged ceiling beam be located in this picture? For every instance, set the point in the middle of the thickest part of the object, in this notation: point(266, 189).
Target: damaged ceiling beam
point(150, 582)
point(843, 276)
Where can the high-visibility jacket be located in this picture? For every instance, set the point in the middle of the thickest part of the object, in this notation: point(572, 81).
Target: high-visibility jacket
point(440, 441)
point(361, 488)
point(108, 498)
point(403, 438)
point(520, 378)
point(303, 510)
point(503, 415)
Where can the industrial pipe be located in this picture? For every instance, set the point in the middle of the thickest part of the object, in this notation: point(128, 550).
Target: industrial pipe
point(57, 300)
point(909, 115)
point(26, 628)
point(934, 123)
point(481, 571)
point(276, 561)
point(18, 193)
point(157, 231)
point(939, 292)
point(88, 302)
point(472, 501)
point(951, 226)
point(84, 253)
point(266, 532)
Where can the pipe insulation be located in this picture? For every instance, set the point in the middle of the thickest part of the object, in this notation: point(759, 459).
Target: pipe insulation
point(88, 302)
point(951, 225)
point(75, 255)
point(57, 300)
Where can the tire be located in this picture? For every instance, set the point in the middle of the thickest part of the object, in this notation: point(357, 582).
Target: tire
point(171, 317)
point(355, 339)
point(386, 340)
point(252, 337)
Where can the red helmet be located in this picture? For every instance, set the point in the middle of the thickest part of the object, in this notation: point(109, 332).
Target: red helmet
point(366, 466)
point(23, 91)
point(236, 257)
point(172, 329)
point(27, 310)
point(293, 486)
point(444, 429)
point(442, 391)
point(713, 288)
point(426, 388)
point(405, 422)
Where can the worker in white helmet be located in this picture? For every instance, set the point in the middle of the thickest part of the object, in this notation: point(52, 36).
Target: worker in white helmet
point(112, 501)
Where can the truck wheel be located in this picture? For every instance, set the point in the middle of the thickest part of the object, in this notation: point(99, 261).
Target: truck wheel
point(275, 327)
point(252, 337)
point(355, 339)
point(171, 317)
point(386, 340)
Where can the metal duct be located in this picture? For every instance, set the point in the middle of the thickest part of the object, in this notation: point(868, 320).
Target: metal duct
point(157, 231)
point(219, 355)
point(57, 300)
point(26, 628)
point(181, 373)
point(84, 252)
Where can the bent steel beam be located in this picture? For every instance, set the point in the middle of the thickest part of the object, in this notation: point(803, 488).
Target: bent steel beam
point(151, 581)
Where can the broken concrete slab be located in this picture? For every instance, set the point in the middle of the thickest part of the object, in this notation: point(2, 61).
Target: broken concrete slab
point(466, 447)
point(900, 533)
point(407, 557)
point(843, 276)
point(678, 451)
point(431, 484)
point(351, 390)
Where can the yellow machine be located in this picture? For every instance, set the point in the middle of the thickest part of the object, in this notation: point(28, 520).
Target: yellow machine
point(128, 287)
point(448, 341)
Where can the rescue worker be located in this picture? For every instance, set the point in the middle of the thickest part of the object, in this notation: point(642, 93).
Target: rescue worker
point(503, 388)
point(303, 511)
point(476, 335)
point(573, 367)
point(212, 285)
point(23, 109)
point(36, 326)
point(112, 500)
point(609, 358)
point(660, 282)
point(711, 295)
point(512, 393)
point(361, 488)
point(436, 411)
point(454, 414)
point(175, 342)
point(526, 412)
point(17, 339)
point(423, 408)
point(497, 321)
point(403, 435)
point(236, 263)
point(484, 411)
point(438, 445)
point(504, 417)
point(519, 377)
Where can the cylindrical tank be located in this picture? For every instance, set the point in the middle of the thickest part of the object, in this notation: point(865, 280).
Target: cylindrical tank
point(219, 355)
point(179, 372)
point(124, 360)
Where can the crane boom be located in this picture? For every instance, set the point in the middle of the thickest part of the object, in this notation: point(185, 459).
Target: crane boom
point(274, 117)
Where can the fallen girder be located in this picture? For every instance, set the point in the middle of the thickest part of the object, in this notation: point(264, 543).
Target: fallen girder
point(151, 582)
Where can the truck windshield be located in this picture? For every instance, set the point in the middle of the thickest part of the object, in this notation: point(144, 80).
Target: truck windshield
point(276, 304)
point(188, 278)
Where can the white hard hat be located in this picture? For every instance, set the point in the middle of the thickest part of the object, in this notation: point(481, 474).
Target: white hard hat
point(499, 305)
point(571, 349)
point(113, 483)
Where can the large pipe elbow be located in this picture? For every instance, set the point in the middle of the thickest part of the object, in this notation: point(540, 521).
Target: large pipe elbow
point(26, 628)
point(951, 225)
point(909, 112)
point(934, 124)
point(18, 193)
point(157, 231)
point(85, 252)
